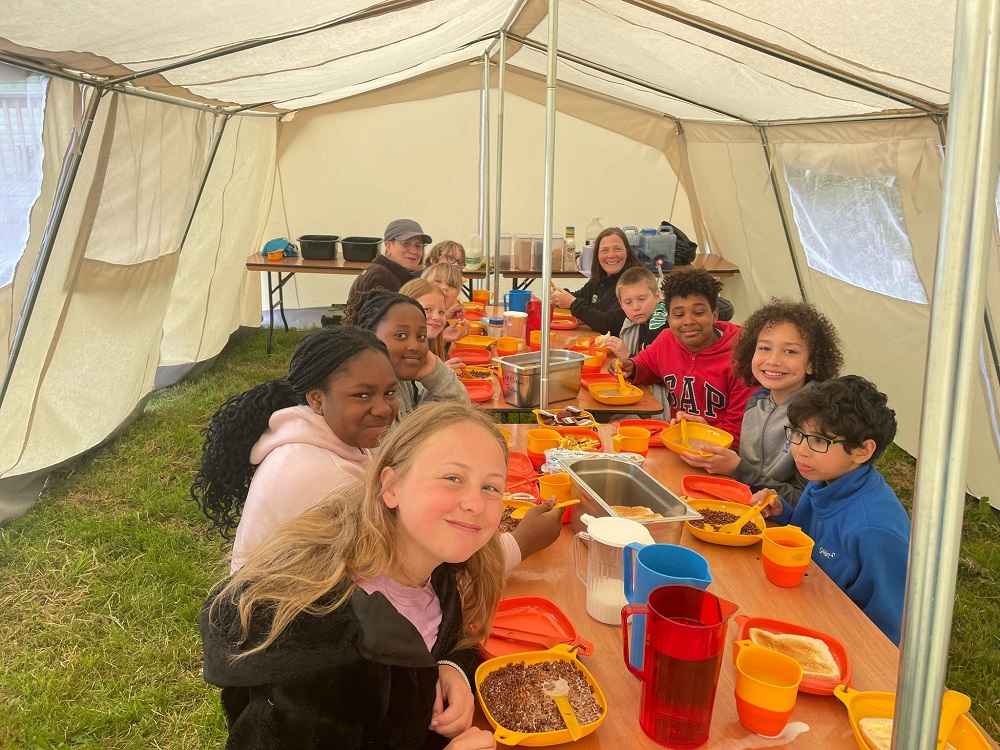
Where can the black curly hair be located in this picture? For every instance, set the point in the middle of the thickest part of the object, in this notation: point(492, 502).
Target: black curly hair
point(820, 336)
point(366, 309)
point(688, 282)
point(222, 482)
point(848, 407)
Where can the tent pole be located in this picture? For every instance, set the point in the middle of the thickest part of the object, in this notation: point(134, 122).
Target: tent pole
point(785, 227)
point(484, 163)
point(501, 82)
point(967, 222)
point(758, 45)
point(67, 176)
point(629, 79)
point(551, 81)
point(204, 177)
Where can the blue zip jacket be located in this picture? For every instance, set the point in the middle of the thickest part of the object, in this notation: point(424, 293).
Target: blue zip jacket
point(862, 536)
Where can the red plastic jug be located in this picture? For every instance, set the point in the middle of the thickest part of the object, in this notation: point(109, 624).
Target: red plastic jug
point(534, 310)
point(685, 639)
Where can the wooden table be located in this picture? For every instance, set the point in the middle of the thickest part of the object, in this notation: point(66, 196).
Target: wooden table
point(714, 264)
point(738, 576)
point(286, 268)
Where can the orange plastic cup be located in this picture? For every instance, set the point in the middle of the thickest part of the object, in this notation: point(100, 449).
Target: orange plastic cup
point(767, 684)
point(482, 296)
point(559, 485)
point(535, 340)
point(631, 440)
point(507, 345)
point(275, 256)
point(786, 552)
point(539, 441)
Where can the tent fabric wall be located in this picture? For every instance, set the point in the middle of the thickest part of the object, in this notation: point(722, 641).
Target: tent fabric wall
point(212, 293)
point(738, 207)
point(105, 292)
point(351, 170)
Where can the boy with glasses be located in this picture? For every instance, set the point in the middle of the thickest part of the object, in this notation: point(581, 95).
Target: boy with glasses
point(862, 533)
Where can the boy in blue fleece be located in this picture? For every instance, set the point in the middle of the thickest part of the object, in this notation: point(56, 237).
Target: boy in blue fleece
point(862, 533)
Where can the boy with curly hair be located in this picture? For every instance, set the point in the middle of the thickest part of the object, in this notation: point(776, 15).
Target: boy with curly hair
point(837, 430)
point(784, 347)
point(693, 363)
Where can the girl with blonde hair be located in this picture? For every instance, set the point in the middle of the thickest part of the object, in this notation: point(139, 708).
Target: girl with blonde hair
point(449, 278)
point(448, 252)
point(372, 605)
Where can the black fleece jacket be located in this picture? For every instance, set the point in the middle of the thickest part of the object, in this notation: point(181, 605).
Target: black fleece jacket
point(606, 314)
point(360, 677)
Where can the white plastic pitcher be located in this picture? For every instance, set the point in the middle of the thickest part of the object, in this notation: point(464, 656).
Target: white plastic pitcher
point(605, 580)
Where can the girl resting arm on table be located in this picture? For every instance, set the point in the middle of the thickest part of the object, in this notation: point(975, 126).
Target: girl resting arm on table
point(358, 624)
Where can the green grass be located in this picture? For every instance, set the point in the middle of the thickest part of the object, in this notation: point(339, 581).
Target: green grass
point(101, 583)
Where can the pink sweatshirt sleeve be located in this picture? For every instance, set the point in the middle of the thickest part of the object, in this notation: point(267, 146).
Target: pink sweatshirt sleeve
point(511, 553)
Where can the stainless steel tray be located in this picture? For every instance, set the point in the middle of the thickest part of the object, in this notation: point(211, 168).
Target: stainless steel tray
point(603, 482)
point(521, 376)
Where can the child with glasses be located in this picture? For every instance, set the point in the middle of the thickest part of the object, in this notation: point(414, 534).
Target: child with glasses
point(837, 429)
point(447, 251)
point(785, 347)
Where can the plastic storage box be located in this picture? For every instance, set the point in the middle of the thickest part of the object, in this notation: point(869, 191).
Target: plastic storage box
point(360, 249)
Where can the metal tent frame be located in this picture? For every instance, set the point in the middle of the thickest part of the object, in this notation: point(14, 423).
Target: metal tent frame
point(958, 297)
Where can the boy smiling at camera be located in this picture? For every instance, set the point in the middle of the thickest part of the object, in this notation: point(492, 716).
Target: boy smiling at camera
point(694, 362)
point(837, 430)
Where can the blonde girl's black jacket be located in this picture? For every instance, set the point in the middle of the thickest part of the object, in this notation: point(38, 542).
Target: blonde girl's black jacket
point(360, 677)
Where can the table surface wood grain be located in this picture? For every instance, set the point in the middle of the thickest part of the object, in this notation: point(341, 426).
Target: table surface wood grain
point(738, 576)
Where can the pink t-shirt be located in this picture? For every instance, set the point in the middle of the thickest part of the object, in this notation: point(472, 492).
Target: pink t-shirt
point(420, 606)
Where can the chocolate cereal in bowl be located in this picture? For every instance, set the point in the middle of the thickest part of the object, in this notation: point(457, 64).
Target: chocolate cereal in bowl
point(717, 513)
point(521, 696)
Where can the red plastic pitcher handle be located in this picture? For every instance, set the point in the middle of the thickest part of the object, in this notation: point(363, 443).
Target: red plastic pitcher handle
point(627, 611)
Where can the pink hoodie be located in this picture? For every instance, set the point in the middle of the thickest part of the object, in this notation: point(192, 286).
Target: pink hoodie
point(299, 462)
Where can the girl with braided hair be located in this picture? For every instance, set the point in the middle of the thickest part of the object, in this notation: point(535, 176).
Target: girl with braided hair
point(400, 323)
point(398, 320)
point(432, 299)
point(277, 450)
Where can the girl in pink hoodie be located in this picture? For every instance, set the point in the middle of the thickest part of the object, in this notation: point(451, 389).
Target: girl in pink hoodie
point(277, 450)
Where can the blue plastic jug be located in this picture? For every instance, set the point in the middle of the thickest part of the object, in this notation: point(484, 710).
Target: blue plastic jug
point(516, 299)
point(648, 566)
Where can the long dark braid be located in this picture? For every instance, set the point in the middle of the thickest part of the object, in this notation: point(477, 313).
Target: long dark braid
point(366, 309)
point(222, 482)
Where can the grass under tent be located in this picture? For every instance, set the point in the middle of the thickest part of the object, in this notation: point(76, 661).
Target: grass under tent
point(102, 581)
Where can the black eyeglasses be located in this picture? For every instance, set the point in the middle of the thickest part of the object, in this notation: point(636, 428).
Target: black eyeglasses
point(451, 259)
point(816, 443)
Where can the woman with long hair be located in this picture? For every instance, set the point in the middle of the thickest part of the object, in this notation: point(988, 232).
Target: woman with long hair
point(596, 303)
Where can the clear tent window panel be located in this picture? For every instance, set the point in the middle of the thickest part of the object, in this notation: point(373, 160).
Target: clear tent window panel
point(852, 229)
point(22, 106)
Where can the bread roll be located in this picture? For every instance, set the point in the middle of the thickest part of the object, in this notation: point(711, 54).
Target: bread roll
point(813, 654)
point(636, 513)
point(877, 733)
